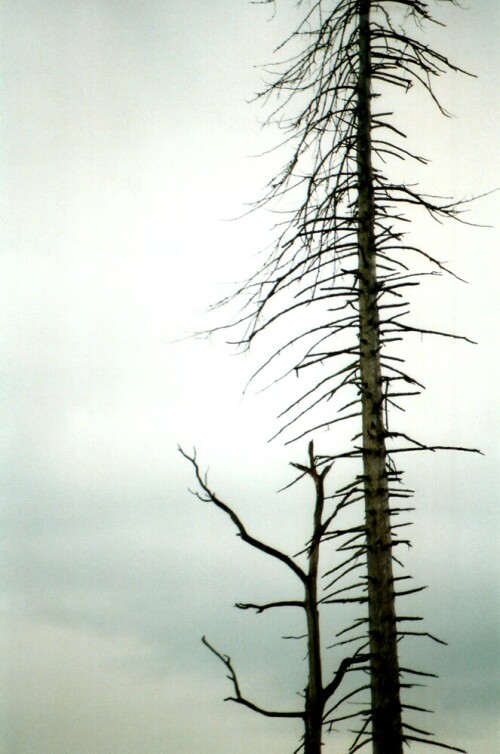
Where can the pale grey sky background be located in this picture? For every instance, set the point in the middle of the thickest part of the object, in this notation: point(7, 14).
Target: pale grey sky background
point(126, 139)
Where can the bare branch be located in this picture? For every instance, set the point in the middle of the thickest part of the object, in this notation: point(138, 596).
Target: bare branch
point(238, 698)
point(210, 496)
point(344, 666)
point(262, 608)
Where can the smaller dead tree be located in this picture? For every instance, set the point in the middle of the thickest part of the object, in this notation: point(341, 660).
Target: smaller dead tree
point(317, 710)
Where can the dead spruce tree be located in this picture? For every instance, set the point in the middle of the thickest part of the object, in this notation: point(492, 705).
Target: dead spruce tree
point(334, 290)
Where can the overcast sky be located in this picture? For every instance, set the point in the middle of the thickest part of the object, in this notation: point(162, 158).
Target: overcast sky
point(127, 143)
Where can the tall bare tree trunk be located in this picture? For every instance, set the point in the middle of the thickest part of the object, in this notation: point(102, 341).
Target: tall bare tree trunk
point(385, 684)
point(341, 256)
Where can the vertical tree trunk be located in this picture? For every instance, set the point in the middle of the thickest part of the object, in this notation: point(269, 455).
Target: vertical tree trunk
point(314, 706)
point(313, 718)
point(385, 685)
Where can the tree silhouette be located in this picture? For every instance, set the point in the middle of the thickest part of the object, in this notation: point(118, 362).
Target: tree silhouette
point(326, 510)
point(335, 285)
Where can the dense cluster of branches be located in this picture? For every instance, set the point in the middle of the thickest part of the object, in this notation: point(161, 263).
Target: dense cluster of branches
point(338, 278)
point(331, 191)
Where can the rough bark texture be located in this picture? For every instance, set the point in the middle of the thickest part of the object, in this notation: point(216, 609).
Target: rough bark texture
point(385, 685)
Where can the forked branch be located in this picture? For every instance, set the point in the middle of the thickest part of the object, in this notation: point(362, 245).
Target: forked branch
point(238, 697)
